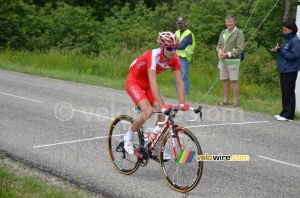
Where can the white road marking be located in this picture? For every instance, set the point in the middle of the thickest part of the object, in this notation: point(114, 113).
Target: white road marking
point(274, 160)
point(74, 141)
point(223, 124)
point(93, 114)
point(20, 97)
point(81, 140)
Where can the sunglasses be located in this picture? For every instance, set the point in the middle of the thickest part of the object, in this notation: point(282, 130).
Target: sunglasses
point(171, 49)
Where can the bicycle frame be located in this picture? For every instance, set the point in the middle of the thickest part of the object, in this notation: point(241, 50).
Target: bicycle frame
point(169, 124)
point(181, 171)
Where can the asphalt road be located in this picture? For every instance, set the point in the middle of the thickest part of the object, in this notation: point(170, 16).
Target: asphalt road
point(62, 128)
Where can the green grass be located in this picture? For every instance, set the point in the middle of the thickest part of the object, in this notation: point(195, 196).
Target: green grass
point(110, 70)
point(14, 186)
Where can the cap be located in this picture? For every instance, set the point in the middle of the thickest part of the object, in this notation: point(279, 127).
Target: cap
point(180, 19)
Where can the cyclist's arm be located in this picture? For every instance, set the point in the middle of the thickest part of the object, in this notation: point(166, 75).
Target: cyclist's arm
point(180, 86)
point(154, 87)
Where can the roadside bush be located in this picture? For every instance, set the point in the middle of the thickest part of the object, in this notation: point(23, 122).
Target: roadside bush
point(70, 29)
point(260, 68)
point(20, 26)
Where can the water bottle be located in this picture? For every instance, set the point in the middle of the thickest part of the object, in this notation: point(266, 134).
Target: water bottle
point(147, 134)
point(147, 141)
point(154, 132)
point(146, 131)
point(150, 133)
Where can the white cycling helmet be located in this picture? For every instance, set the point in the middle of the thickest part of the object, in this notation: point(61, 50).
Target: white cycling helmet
point(168, 39)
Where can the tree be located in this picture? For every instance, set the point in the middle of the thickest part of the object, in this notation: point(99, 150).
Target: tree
point(287, 10)
point(20, 26)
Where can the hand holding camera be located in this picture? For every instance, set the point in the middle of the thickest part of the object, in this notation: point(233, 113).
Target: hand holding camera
point(275, 49)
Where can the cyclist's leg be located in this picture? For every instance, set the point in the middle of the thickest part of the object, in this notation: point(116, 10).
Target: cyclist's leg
point(160, 118)
point(137, 93)
point(137, 123)
point(155, 105)
point(147, 111)
point(142, 96)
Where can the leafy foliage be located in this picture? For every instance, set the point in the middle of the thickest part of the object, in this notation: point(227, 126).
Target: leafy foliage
point(113, 28)
point(71, 29)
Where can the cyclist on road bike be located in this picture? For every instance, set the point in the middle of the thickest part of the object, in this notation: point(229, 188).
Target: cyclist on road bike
point(142, 87)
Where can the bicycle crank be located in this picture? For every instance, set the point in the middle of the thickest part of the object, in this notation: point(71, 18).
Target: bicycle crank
point(143, 155)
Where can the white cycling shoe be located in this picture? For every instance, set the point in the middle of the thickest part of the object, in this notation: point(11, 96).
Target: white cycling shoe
point(128, 145)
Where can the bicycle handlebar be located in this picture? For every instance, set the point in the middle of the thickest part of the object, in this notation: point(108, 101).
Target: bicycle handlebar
point(168, 112)
point(196, 111)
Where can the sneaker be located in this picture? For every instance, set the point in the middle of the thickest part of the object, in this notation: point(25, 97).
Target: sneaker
point(277, 116)
point(283, 119)
point(128, 145)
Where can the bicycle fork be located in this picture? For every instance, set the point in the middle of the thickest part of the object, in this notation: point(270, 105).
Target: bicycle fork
point(175, 138)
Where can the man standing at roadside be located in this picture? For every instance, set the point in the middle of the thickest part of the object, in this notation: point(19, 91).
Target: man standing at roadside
point(230, 47)
point(185, 50)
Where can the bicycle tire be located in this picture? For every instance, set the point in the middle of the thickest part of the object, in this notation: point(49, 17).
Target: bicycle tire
point(184, 173)
point(124, 162)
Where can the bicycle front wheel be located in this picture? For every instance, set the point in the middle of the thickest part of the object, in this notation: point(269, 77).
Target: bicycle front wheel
point(183, 173)
point(124, 162)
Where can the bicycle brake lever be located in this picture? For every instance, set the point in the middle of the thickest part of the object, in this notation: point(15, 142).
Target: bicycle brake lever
point(200, 115)
point(200, 111)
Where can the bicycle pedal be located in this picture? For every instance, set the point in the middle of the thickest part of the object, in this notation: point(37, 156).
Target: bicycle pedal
point(138, 154)
point(120, 147)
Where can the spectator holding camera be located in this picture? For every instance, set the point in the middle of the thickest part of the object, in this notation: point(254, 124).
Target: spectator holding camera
point(288, 65)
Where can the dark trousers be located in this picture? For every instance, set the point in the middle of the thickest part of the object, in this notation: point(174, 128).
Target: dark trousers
point(288, 84)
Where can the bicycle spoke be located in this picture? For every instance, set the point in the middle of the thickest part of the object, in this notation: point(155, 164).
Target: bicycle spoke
point(183, 173)
point(122, 161)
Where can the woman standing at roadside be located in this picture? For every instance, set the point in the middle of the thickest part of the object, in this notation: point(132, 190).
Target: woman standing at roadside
point(288, 65)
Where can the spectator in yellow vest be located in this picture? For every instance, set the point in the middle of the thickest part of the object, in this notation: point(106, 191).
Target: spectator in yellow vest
point(185, 50)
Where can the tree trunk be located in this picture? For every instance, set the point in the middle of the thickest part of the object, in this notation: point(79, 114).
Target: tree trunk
point(287, 10)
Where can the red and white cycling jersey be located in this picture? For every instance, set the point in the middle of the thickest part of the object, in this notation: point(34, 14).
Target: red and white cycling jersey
point(137, 82)
point(152, 59)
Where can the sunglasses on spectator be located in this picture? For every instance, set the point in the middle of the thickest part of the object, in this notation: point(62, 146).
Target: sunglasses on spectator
point(171, 49)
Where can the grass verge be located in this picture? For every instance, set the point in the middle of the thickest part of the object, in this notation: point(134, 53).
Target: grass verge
point(110, 70)
point(18, 180)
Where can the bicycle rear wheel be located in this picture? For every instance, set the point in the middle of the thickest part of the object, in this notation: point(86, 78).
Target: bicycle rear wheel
point(184, 173)
point(124, 162)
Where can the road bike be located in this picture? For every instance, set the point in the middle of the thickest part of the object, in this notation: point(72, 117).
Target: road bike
point(182, 172)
